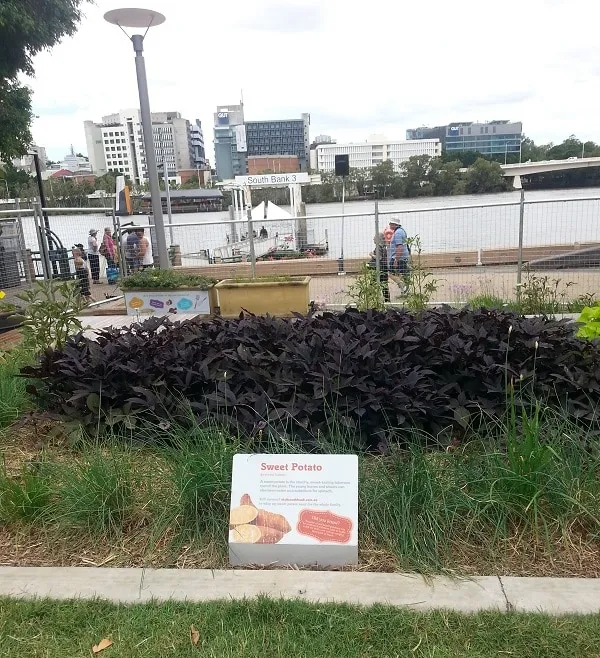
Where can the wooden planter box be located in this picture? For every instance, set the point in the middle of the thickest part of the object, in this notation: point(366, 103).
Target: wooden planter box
point(282, 298)
point(188, 301)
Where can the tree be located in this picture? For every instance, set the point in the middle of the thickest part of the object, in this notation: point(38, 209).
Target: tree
point(15, 179)
point(192, 184)
point(416, 174)
point(26, 28)
point(485, 176)
point(445, 177)
point(383, 176)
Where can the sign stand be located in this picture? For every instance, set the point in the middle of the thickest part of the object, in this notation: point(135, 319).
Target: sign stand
point(294, 509)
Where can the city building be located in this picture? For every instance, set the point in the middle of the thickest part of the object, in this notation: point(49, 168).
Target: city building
point(280, 137)
point(273, 164)
point(374, 151)
point(76, 163)
point(203, 176)
point(197, 140)
point(230, 141)
point(117, 144)
point(490, 138)
point(324, 139)
point(26, 161)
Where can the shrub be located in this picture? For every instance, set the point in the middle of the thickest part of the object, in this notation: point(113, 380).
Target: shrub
point(165, 279)
point(51, 316)
point(589, 321)
point(367, 371)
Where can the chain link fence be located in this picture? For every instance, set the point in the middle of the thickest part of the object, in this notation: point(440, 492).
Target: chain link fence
point(473, 250)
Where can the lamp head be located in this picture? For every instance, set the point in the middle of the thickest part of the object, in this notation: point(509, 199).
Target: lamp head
point(132, 17)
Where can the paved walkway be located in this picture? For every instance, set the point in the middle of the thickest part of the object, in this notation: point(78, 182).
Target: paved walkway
point(551, 595)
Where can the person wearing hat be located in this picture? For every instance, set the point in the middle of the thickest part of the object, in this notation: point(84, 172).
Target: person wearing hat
point(398, 252)
point(94, 255)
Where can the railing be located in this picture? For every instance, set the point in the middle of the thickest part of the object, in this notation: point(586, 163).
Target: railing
point(488, 249)
point(473, 250)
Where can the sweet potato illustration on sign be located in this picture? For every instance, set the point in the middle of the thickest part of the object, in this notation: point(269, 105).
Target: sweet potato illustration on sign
point(250, 525)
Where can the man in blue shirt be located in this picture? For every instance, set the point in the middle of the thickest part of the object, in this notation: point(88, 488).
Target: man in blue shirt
point(398, 252)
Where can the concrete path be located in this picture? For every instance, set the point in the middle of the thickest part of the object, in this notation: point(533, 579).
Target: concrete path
point(551, 595)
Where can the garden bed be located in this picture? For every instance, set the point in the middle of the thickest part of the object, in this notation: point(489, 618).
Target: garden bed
point(473, 510)
point(477, 435)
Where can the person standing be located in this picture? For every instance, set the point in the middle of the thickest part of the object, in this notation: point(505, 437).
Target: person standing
point(108, 248)
point(94, 255)
point(145, 250)
point(398, 253)
point(132, 249)
point(82, 274)
point(379, 241)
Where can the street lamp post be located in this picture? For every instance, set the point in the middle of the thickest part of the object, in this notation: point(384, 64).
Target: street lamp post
point(168, 195)
point(145, 18)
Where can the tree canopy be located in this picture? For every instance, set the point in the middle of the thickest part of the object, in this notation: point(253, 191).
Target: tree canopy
point(27, 27)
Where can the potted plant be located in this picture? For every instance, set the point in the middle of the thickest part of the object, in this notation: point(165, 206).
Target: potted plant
point(11, 316)
point(276, 295)
point(159, 292)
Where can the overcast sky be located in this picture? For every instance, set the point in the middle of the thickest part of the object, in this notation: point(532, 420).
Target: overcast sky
point(376, 66)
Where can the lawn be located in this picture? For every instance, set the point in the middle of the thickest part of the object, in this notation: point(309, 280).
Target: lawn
point(262, 627)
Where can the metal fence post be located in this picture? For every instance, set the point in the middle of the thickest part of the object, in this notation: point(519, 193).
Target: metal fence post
point(520, 255)
point(251, 239)
point(377, 258)
point(22, 246)
point(42, 244)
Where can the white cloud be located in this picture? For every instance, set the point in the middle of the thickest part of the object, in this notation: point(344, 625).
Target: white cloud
point(377, 66)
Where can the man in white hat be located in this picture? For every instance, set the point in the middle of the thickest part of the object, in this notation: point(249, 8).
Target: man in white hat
point(398, 253)
point(94, 255)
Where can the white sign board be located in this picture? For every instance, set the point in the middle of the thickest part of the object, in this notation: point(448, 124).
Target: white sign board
point(294, 509)
point(273, 179)
point(240, 138)
point(164, 302)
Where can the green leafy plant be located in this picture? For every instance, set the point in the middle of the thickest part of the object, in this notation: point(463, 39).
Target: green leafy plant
point(25, 497)
point(51, 315)
point(542, 295)
point(579, 303)
point(367, 290)
point(421, 283)
point(590, 323)
point(156, 279)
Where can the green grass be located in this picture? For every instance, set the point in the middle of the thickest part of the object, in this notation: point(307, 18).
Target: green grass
point(262, 628)
point(13, 397)
point(529, 480)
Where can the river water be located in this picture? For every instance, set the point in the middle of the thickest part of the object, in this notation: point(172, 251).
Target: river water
point(551, 217)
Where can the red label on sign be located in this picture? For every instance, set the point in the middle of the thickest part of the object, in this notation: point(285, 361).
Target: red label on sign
point(324, 526)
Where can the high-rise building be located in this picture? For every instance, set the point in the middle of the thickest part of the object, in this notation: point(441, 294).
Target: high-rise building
point(26, 161)
point(491, 138)
point(376, 150)
point(230, 141)
point(280, 137)
point(117, 143)
point(197, 140)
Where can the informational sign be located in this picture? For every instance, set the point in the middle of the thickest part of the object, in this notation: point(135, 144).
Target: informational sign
point(294, 509)
point(165, 302)
point(240, 138)
point(273, 179)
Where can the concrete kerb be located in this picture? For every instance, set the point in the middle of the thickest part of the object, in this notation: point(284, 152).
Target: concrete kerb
point(552, 595)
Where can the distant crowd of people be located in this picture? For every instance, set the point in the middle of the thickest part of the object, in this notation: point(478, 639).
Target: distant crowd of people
point(138, 256)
